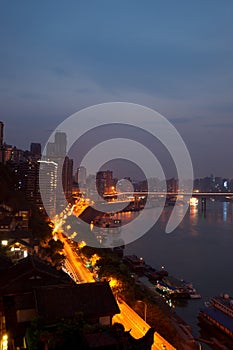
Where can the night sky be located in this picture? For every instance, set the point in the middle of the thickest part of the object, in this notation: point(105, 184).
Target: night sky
point(57, 57)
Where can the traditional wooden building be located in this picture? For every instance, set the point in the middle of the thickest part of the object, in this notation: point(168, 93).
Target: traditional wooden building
point(17, 302)
point(94, 300)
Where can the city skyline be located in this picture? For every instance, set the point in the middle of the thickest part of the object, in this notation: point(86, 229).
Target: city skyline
point(56, 151)
point(129, 167)
point(116, 174)
point(174, 59)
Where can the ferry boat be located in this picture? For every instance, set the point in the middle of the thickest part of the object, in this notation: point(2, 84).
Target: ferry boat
point(219, 312)
point(171, 292)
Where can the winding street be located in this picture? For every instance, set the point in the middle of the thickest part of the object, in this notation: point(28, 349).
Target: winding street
point(128, 317)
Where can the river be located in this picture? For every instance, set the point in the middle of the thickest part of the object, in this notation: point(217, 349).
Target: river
point(199, 251)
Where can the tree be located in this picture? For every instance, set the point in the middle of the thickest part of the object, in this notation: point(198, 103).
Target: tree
point(40, 226)
point(53, 252)
point(65, 334)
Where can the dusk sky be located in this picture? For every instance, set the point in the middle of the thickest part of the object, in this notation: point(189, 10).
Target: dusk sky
point(57, 57)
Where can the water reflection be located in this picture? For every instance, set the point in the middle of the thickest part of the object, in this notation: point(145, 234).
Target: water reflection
point(220, 213)
point(224, 207)
point(193, 214)
point(199, 250)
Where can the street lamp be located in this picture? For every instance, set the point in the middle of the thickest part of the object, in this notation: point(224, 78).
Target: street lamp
point(145, 308)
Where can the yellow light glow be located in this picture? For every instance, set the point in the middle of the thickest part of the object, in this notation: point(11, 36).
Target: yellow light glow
point(74, 234)
point(193, 201)
point(113, 282)
point(5, 342)
point(94, 259)
point(82, 244)
point(4, 242)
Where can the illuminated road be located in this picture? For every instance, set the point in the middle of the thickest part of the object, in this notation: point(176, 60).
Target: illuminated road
point(82, 274)
point(128, 317)
point(131, 320)
point(73, 264)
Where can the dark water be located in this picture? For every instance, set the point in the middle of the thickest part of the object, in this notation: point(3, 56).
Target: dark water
point(200, 251)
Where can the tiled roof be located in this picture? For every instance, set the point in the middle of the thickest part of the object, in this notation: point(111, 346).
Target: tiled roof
point(29, 273)
point(15, 234)
point(93, 299)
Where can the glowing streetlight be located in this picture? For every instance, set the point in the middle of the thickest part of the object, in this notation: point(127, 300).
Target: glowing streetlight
point(145, 308)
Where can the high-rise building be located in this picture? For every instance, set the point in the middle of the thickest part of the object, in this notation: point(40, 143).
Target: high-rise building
point(31, 182)
point(57, 149)
point(81, 175)
point(48, 185)
point(13, 154)
point(56, 155)
point(56, 152)
point(27, 174)
point(67, 177)
point(8, 149)
point(1, 133)
point(50, 150)
point(172, 185)
point(35, 150)
point(104, 182)
point(60, 144)
point(1, 143)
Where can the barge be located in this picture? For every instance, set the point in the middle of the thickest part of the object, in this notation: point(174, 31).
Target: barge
point(219, 312)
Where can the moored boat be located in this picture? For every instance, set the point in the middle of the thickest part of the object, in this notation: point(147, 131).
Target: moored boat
point(219, 312)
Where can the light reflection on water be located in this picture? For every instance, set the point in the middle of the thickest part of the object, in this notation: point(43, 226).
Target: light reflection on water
point(225, 211)
point(199, 250)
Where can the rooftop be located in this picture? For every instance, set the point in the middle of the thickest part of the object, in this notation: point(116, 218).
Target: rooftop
point(28, 273)
point(56, 302)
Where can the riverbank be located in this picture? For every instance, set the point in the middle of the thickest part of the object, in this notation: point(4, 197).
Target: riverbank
point(168, 323)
